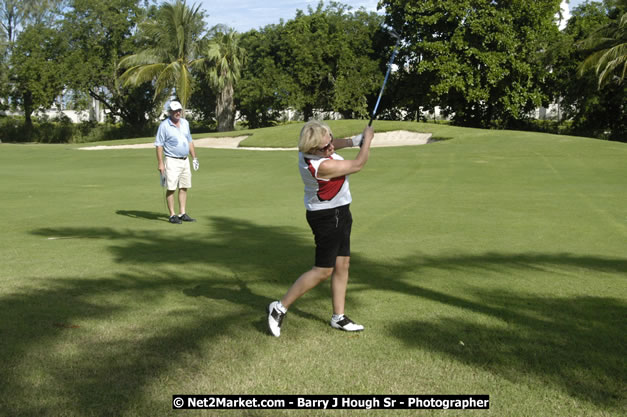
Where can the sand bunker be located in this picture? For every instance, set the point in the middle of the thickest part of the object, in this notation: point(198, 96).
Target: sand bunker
point(385, 139)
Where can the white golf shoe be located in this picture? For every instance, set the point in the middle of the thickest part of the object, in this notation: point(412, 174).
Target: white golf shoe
point(346, 324)
point(275, 319)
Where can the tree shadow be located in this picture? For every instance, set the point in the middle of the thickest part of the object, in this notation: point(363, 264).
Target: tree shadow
point(496, 262)
point(119, 367)
point(434, 139)
point(242, 295)
point(256, 253)
point(139, 214)
point(237, 244)
point(575, 344)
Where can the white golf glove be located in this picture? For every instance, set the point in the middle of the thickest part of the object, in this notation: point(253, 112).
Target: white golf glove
point(357, 139)
point(196, 164)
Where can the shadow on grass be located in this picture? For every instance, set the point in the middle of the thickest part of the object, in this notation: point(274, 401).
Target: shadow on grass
point(434, 139)
point(96, 375)
point(138, 214)
point(35, 321)
point(575, 344)
point(243, 296)
point(572, 343)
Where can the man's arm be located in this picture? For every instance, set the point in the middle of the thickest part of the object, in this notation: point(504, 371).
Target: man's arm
point(190, 141)
point(192, 149)
point(161, 166)
point(159, 142)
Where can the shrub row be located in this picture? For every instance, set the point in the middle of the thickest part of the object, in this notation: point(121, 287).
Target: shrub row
point(13, 129)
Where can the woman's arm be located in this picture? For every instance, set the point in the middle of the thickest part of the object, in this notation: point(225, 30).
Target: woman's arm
point(342, 143)
point(332, 168)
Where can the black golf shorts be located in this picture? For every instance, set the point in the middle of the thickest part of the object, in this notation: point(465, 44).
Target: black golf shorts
point(332, 233)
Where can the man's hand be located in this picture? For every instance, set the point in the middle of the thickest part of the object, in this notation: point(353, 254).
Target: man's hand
point(196, 164)
point(357, 140)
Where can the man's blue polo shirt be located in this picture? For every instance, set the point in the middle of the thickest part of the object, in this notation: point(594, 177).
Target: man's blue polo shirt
point(175, 140)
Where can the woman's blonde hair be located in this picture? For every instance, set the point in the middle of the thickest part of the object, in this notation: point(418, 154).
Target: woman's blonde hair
point(312, 135)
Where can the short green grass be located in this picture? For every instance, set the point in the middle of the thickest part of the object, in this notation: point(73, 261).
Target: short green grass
point(493, 262)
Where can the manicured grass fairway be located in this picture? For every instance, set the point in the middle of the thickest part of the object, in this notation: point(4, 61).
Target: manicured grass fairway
point(489, 263)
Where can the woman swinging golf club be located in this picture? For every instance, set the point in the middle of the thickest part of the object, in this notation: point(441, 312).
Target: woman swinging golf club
point(327, 200)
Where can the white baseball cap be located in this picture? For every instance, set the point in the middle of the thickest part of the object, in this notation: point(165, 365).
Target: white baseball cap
point(174, 106)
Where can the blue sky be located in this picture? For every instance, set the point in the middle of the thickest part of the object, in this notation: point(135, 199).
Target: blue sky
point(243, 15)
point(574, 3)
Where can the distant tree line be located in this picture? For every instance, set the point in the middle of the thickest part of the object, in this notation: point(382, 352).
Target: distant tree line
point(485, 63)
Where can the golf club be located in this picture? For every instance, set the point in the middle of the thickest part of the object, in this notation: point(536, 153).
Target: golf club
point(164, 185)
point(387, 74)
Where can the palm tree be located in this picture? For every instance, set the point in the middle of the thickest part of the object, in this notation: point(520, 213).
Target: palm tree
point(610, 57)
point(225, 59)
point(176, 36)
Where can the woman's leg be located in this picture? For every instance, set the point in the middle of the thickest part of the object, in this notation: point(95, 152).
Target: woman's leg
point(339, 282)
point(304, 283)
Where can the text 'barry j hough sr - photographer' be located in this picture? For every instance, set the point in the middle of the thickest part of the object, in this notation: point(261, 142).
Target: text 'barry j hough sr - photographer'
point(330, 402)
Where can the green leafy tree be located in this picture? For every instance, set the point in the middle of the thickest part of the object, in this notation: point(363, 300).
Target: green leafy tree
point(35, 69)
point(174, 40)
point(99, 35)
point(328, 54)
point(361, 54)
point(328, 59)
point(263, 91)
point(306, 56)
point(478, 59)
point(203, 101)
point(225, 60)
point(15, 16)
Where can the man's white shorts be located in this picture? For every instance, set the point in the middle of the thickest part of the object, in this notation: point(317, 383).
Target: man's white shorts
point(177, 173)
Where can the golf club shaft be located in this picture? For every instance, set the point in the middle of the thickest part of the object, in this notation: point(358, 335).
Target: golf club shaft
point(385, 80)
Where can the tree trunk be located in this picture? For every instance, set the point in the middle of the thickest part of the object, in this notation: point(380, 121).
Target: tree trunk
point(28, 121)
point(225, 109)
point(308, 112)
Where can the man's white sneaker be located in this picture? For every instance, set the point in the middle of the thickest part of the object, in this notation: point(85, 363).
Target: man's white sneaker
point(346, 324)
point(275, 318)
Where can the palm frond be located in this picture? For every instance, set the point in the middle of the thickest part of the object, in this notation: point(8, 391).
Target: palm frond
point(175, 36)
point(147, 57)
point(184, 89)
point(608, 52)
point(612, 60)
point(138, 75)
point(226, 58)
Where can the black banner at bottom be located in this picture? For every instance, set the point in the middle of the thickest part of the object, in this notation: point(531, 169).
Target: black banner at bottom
point(331, 402)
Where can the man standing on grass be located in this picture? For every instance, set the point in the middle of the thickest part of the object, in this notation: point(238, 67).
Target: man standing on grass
point(174, 144)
